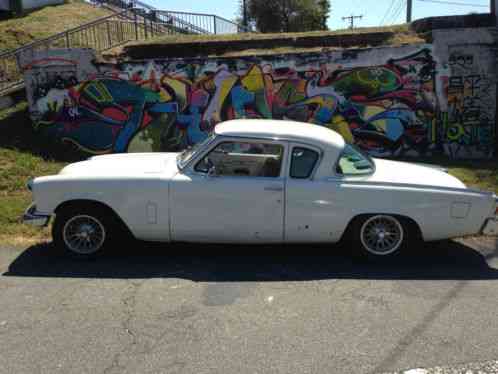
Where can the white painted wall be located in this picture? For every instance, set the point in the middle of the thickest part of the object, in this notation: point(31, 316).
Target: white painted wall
point(30, 4)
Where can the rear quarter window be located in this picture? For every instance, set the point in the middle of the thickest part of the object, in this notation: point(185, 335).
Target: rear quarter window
point(354, 162)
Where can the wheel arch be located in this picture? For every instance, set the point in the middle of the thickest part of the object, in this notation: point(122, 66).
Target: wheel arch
point(95, 204)
point(412, 224)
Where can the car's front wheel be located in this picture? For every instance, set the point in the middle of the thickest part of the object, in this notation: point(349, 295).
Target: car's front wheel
point(82, 231)
point(381, 235)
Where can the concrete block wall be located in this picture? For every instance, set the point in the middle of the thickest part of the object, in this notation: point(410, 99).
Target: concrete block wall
point(417, 100)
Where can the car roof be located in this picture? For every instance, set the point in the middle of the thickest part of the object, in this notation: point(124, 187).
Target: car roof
point(284, 130)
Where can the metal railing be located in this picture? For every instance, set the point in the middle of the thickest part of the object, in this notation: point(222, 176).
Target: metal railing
point(133, 21)
point(101, 34)
point(197, 23)
point(203, 23)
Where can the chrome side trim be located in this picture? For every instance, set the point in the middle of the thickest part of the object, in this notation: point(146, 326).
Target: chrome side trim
point(34, 218)
point(372, 184)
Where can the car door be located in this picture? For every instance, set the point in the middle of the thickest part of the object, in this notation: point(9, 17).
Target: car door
point(233, 193)
point(310, 203)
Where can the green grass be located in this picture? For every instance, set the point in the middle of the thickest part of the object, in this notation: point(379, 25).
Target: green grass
point(45, 22)
point(23, 155)
point(16, 168)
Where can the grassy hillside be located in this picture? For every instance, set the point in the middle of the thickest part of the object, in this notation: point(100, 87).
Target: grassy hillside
point(45, 22)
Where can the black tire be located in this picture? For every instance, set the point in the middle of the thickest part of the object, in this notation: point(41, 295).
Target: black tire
point(102, 224)
point(397, 234)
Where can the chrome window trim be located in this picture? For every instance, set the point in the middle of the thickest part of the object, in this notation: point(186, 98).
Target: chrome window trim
point(218, 139)
point(182, 168)
point(314, 148)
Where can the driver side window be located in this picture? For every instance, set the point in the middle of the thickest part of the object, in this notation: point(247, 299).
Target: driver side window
point(245, 159)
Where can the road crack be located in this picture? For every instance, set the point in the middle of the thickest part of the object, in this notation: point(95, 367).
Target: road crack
point(129, 301)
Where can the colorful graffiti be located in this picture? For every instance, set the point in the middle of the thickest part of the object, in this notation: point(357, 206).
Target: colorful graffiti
point(389, 109)
point(469, 123)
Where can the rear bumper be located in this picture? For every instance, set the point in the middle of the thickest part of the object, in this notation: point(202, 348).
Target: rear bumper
point(34, 218)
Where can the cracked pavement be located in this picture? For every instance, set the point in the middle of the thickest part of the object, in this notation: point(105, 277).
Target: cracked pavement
point(296, 309)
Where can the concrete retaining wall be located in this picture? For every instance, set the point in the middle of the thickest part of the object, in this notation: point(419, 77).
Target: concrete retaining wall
point(413, 100)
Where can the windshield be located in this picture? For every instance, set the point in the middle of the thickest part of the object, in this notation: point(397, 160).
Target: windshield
point(187, 154)
point(354, 162)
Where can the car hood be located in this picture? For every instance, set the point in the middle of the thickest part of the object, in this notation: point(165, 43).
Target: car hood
point(398, 172)
point(125, 164)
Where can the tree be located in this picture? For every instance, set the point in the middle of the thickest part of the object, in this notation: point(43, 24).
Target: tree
point(287, 15)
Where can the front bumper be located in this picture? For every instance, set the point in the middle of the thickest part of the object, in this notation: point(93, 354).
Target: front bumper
point(490, 227)
point(34, 218)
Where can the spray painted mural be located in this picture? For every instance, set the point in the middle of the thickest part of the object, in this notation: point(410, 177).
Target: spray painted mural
point(391, 108)
point(468, 121)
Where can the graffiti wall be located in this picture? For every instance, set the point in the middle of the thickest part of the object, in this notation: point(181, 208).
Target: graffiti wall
point(402, 101)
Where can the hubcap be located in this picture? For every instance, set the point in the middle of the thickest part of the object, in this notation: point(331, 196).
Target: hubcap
point(84, 234)
point(381, 235)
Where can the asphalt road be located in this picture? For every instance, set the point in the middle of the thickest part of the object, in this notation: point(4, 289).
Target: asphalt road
point(225, 309)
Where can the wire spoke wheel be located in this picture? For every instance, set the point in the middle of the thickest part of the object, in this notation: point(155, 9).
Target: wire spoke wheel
point(381, 235)
point(84, 234)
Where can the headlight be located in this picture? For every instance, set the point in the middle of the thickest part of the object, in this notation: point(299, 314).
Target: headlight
point(29, 185)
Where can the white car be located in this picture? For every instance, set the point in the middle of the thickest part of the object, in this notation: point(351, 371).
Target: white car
point(258, 181)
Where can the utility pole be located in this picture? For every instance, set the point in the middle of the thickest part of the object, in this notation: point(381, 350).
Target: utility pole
point(244, 14)
point(494, 9)
point(351, 19)
point(409, 7)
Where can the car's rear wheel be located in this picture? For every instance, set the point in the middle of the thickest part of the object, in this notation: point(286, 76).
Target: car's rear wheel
point(83, 231)
point(380, 236)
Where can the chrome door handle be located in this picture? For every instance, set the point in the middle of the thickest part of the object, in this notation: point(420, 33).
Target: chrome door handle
point(274, 188)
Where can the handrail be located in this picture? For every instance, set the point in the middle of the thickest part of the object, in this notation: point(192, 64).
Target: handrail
point(142, 21)
point(56, 36)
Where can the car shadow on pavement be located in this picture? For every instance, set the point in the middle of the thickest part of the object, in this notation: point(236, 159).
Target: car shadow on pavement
point(447, 260)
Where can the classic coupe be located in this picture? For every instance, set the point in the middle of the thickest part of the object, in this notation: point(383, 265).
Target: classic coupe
point(258, 181)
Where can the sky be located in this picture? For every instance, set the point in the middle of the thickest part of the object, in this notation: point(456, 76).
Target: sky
point(373, 11)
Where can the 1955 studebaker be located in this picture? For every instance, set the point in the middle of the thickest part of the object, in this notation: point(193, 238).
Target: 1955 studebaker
point(258, 181)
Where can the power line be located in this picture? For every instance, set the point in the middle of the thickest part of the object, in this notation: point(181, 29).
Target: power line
point(454, 3)
point(387, 12)
point(397, 12)
point(393, 11)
